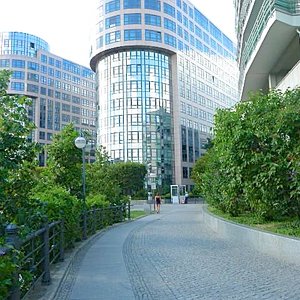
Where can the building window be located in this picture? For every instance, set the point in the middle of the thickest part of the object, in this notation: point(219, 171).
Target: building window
point(151, 35)
point(17, 86)
point(179, 16)
point(112, 22)
point(32, 88)
point(170, 40)
point(132, 19)
point(185, 173)
point(32, 66)
point(152, 4)
point(152, 20)
point(169, 9)
point(99, 42)
point(169, 24)
point(191, 145)
point(33, 77)
point(112, 37)
point(42, 135)
point(185, 7)
point(183, 143)
point(18, 75)
point(132, 34)
point(4, 63)
point(132, 4)
point(18, 63)
point(112, 6)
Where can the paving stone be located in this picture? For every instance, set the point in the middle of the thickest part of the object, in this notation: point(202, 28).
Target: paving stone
point(173, 255)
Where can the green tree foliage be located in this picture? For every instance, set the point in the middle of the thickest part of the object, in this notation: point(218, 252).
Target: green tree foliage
point(18, 155)
point(254, 162)
point(130, 176)
point(99, 180)
point(59, 204)
point(64, 161)
point(114, 180)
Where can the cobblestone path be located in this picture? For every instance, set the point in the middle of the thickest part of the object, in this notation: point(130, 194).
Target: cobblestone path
point(176, 257)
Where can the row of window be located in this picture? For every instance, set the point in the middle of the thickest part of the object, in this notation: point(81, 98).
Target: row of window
point(196, 112)
point(50, 82)
point(136, 18)
point(136, 34)
point(20, 86)
point(184, 14)
point(114, 5)
point(156, 36)
point(67, 66)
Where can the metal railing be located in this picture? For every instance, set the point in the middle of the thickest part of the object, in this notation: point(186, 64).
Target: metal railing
point(46, 246)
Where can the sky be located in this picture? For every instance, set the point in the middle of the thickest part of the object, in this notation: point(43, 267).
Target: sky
point(67, 24)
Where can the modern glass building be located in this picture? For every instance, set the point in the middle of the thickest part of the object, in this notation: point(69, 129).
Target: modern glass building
point(162, 69)
point(268, 44)
point(62, 91)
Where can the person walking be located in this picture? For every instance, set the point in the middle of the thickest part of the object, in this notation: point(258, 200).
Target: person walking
point(157, 202)
point(186, 197)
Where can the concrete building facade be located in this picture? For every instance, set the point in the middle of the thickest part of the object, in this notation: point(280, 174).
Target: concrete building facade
point(268, 44)
point(162, 69)
point(62, 91)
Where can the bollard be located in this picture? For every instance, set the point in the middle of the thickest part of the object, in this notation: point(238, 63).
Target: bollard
point(12, 239)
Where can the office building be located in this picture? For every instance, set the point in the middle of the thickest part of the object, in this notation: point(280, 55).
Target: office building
point(268, 44)
point(162, 69)
point(62, 91)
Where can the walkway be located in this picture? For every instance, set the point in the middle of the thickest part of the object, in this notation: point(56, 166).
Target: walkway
point(172, 255)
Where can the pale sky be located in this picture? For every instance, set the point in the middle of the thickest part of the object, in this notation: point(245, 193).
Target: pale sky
point(66, 24)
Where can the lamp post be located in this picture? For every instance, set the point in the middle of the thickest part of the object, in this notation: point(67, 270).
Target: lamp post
point(81, 143)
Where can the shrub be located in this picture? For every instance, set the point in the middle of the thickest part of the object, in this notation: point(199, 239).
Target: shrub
point(59, 204)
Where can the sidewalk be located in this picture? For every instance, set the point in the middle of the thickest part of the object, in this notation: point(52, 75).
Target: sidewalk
point(173, 255)
point(100, 271)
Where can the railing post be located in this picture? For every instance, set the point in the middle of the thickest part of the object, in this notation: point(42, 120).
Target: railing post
point(62, 241)
point(46, 265)
point(129, 210)
point(12, 239)
point(94, 212)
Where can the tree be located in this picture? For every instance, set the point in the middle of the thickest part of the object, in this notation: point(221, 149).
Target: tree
point(18, 154)
point(64, 162)
point(114, 180)
point(130, 176)
point(255, 156)
point(99, 179)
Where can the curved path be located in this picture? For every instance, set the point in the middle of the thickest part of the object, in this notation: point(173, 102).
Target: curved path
point(173, 255)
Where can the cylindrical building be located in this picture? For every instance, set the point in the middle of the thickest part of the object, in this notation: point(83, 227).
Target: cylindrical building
point(162, 68)
point(61, 90)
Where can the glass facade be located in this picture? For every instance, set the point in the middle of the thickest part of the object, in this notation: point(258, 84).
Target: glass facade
point(62, 91)
point(135, 110)
point(204, 78)
point(20, 43)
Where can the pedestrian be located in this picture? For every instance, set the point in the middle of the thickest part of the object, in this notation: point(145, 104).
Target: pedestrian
point(157, 202)
point(186, 197)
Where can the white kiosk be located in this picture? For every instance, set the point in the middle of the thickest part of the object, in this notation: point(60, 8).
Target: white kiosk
point(177, 193)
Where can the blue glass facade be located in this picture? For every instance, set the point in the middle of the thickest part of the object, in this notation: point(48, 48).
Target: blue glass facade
point(202, 71)
point(20, 43)
point(62, 91)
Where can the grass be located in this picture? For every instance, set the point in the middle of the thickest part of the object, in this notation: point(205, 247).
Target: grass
point(134, 214)
point(289, 227)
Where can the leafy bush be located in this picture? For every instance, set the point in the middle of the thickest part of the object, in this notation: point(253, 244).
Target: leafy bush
point(254, 163)
point(7, 269)
point(59, 204)
point(96, 201)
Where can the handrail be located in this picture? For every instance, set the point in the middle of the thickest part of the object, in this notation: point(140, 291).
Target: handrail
point(46, 246)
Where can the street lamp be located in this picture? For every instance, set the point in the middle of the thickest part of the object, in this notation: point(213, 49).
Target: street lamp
point(81, 143)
